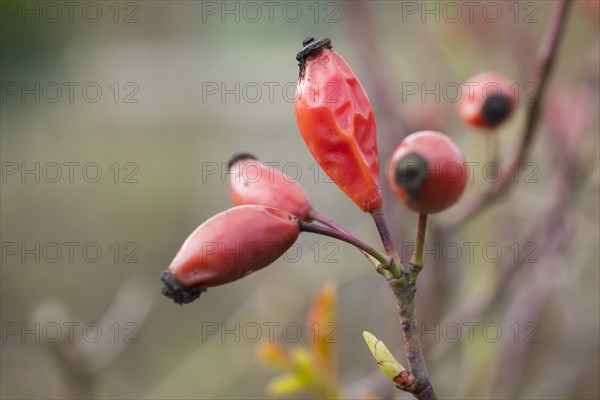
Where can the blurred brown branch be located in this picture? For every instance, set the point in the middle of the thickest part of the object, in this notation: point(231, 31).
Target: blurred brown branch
point(81, 359)
point(550, 233)
point(365, 40)
point(546, 57)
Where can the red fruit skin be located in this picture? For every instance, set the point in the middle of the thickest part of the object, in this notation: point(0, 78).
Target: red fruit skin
point(474, 93)
point(233, 244)
point(336, 121)
point(446, 176)
point(253, 182)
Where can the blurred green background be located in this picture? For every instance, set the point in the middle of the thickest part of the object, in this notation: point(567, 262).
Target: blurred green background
point(183, 86)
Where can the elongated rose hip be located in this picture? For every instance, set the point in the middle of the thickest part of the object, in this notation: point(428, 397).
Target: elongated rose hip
point(336, 121)
point(228, 247)
point(252, 182)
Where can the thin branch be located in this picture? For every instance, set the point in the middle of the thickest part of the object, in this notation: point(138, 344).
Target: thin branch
point(546, 57)
point(327, 221)
point(569, 180)
point(345, 237)
point(405, 290)
point(403, 284)
point(404, 287)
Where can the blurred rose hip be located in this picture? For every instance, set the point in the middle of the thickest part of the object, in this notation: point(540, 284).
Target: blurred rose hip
point(487, 100)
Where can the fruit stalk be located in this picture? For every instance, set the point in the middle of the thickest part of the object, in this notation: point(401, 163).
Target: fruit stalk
point(314, 215)
point(345, 237)
point(395, 267)
point(416, 262)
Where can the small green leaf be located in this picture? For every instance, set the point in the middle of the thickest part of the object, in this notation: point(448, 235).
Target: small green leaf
point(302, 363)
point(386, 361)
point(286, 384)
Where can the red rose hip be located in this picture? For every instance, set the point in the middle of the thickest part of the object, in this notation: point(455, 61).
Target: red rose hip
point(337, 124)
point(253, 182)
point(228, 247)
point(487, 100)
point(428, 172)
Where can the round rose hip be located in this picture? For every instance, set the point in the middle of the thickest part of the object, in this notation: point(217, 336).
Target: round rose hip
point(487, 100)
point(428, 172)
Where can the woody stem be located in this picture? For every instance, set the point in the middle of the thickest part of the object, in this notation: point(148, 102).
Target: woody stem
point(405, 289)
point(546, 58)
